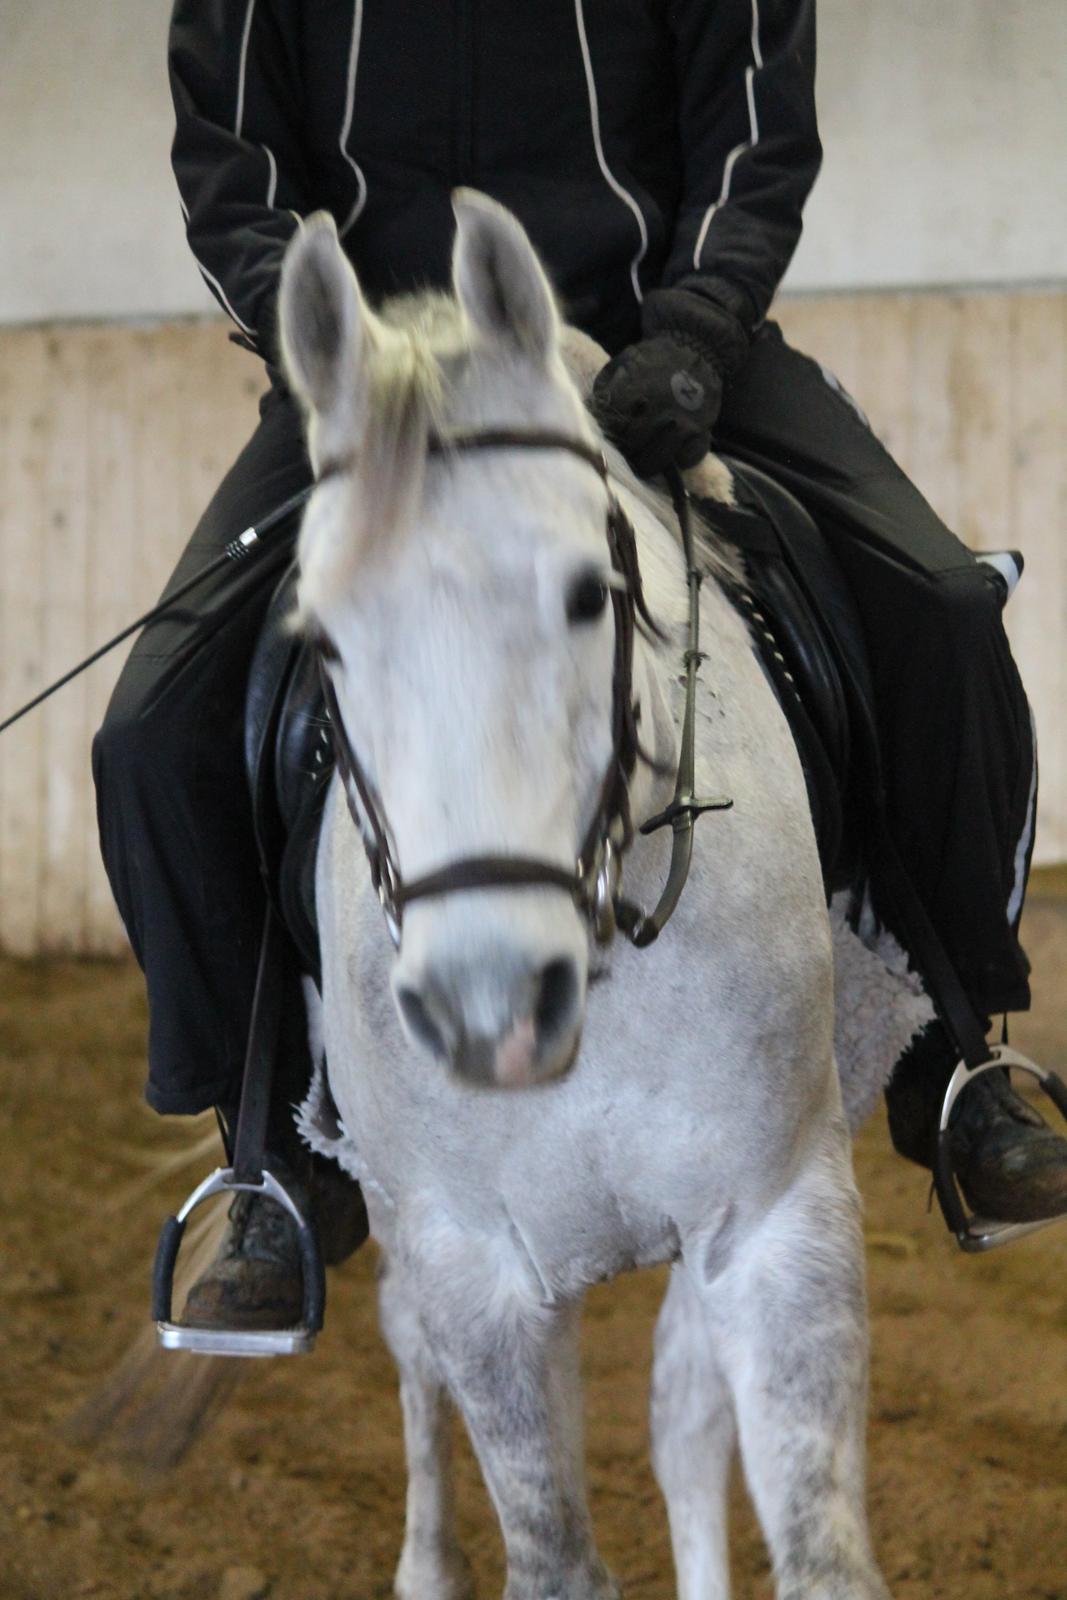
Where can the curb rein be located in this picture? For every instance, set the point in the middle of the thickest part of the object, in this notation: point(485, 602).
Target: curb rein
point(595, 881)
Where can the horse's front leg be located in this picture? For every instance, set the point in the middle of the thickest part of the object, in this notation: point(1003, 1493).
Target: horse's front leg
point(432, 1565)
point(790, 1316)
point(693, 1438)
point(512, 1366)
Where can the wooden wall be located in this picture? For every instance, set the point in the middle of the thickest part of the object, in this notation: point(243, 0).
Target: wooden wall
point(112, 438)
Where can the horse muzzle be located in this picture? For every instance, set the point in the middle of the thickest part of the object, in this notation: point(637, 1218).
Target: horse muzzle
point(496, 1023)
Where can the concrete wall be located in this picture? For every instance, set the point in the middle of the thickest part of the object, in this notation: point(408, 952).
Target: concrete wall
point(945, 123)
point(945, 129)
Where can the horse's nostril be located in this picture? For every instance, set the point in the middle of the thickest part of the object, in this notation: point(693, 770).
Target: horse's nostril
point(557, 997)
point(417, 1016)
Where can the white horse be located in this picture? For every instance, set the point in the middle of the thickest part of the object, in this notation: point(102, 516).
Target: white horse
point(463, 599)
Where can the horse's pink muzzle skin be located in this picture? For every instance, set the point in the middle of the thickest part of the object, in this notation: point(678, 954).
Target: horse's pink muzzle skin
point(500, 1022)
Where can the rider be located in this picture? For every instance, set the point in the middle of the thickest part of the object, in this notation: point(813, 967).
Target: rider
point(659, 155)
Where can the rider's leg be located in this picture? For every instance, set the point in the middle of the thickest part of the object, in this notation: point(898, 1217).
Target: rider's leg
point(175, 821)
point(960, 765)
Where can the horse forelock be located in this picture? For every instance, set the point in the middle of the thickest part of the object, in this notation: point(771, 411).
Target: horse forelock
point(425, 371)
point(381, 452)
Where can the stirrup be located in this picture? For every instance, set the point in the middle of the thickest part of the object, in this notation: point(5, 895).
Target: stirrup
point(974, 1233)
point(293, 1341)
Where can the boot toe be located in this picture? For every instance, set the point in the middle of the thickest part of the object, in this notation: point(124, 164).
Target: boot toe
point(246, 1296)
point(1018, 1179)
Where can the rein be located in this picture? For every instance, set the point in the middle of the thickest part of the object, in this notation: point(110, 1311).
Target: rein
point(594, 881)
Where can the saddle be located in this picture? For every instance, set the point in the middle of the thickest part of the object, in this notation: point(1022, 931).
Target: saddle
point(806, 631)
point(809, 639)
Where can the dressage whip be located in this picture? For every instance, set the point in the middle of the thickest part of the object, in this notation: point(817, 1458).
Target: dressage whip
point(240, 549)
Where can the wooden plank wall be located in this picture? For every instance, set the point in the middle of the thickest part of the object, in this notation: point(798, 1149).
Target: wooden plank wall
point(111, 442)
point(112, 438)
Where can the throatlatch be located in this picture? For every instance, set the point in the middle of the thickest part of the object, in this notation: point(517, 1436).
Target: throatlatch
point(247, 1174)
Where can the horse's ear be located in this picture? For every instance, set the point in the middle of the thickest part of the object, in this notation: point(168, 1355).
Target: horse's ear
point(321, 318)
point(498, 279)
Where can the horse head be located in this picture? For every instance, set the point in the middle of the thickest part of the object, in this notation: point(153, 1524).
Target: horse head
point(462, 599)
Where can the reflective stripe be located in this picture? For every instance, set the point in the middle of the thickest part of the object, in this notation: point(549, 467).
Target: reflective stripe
point(210, 279)
point(239, 118)
point(1022, 851)
point(350, 101)
point(833, 382)
point(272, 186)
point(238, 121)
point(757, 53)
point(613, 182)
point(738, 149)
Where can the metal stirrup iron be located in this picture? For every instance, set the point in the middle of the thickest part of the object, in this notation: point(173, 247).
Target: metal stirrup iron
point(973, 1233)
point(246, 1175)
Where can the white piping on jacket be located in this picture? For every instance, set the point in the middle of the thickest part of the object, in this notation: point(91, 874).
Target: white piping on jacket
point(1022, 851)
point(350, 101)
point(238, 120)
point(239, 117)
point(610, 178)
point(272, 186)
point(738, 149)
point(210, 279)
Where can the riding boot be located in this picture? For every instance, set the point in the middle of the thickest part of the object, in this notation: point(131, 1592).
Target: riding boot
point(256, 1279)
point(1009, 1163)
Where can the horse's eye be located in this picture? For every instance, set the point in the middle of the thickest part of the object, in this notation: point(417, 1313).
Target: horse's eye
point(587, 599)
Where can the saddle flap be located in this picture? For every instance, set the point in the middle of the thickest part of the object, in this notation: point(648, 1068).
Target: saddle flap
point(272, 663)
point(288, 760)
point(809, 639)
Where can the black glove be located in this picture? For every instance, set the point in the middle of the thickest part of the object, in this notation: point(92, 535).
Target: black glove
point(659, 399)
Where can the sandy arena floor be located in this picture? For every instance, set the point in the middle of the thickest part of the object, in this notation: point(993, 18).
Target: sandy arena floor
point(297, 1492)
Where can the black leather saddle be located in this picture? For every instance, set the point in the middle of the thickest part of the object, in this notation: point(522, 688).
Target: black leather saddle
point(289, 762)
point(807, 633)
point(810, 640)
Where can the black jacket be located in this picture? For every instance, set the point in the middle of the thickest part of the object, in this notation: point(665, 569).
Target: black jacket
point(639, 141)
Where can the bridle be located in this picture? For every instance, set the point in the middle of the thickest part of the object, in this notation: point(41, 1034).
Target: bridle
point(594, 881)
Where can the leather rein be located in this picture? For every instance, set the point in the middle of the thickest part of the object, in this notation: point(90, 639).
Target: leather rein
point(594, 882)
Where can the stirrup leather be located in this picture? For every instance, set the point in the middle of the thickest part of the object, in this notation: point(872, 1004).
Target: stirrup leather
point(974, 1233)
point(292, 1341)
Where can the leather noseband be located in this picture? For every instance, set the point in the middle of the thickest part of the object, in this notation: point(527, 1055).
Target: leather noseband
point(593, 882)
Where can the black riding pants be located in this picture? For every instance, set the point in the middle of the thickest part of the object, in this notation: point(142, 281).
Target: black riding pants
point(168, 762)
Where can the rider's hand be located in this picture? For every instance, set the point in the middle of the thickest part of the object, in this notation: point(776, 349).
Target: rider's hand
point(659, 399)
